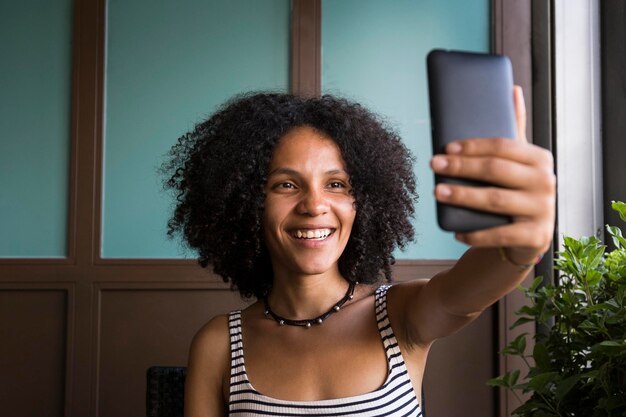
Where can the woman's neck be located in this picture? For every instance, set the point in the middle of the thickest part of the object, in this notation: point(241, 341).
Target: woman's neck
point(304, 297)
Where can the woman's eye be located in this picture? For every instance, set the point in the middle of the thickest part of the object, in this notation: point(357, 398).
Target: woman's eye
point(286, 185)
point(337, 184)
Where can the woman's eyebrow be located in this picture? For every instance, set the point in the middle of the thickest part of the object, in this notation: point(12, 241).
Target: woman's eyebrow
point(289, 171)
point(336, 171)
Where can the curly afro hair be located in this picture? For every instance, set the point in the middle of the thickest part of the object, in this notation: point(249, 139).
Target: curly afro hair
point(219, 171)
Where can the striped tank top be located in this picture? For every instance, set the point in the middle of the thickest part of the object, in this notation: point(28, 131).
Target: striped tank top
point(395, 397)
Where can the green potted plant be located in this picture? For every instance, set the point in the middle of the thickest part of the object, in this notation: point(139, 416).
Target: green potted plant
point(578, 364)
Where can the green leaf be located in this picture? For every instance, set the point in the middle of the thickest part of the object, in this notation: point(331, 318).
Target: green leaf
point(614, 402)
point(589, 326)
point(512, 377)
point(520, 343)
point(498, 381)
point(591, 375)
point(620, 207)
point(531, 407)
point(616, 234)
point(516, 346)
point(613, 343)
point(595, 257)
point(538, 280)
point(593, 277)
point(572, 245)
point(521, 321)
point(541, 381)
point(610, 347)
point(610, 305)
point(507, 380)
point(542, 413)
point(541, 356)
point(566, 386)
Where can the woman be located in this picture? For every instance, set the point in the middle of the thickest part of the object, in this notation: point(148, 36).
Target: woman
point(300, 203)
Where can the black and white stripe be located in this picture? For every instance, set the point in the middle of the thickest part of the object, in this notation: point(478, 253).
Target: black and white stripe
point(395, 397)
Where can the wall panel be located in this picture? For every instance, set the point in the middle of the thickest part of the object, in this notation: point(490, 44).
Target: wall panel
point(143, 327)
point(457, 370)
point(33, 333)
point(35, 106)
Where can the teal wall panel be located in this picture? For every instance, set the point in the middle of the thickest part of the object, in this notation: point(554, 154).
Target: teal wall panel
point(169, 64)
point(35, 117)
point(374, 52)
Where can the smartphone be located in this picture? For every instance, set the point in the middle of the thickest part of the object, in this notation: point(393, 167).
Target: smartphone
point(471, 96)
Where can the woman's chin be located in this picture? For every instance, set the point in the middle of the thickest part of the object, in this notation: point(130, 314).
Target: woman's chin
point(315, 268)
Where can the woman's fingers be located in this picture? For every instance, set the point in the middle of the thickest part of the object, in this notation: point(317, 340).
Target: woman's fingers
point(520, 113)
point(495, 200)
point(513, 150)
point(521, 234)
point(497, 171)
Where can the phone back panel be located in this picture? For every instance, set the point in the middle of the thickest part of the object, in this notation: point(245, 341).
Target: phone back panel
point(471, 96)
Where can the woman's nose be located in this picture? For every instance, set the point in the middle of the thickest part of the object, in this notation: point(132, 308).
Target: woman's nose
point(313, 203)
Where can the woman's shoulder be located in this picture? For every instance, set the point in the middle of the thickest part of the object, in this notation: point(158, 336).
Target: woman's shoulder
point(208, 369)
point(213, 329)
point(212, 341)
point(211, 344)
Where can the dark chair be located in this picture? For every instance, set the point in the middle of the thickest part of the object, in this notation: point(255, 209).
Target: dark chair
point(165, 391)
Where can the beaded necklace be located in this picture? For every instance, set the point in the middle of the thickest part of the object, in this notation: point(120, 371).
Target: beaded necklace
point(309, 322)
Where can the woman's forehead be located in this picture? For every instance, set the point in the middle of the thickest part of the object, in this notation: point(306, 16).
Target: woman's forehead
point(304, 146)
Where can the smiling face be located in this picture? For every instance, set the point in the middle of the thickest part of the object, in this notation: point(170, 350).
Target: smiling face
point(309, 209)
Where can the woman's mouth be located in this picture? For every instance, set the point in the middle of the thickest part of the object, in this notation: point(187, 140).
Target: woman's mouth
point(312, 234)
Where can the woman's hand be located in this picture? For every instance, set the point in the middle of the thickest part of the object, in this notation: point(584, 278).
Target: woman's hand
point(524, 189)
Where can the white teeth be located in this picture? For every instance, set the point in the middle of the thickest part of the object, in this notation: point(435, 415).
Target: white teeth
point(312, 234)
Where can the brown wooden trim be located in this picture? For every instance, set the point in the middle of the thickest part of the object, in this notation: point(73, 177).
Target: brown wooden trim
point(425, 262)
point(306, 46)
point(512, 37)
point(96, 325)
point(73, 168)
point(36, 286)
point(70, 349)
point(145, 261)
point(98, 140)
point(512, 28)
point(36, 261)
point(212, 285)
point(193, 262)
point(89, 45)
point(187, 273)
point(407, 270)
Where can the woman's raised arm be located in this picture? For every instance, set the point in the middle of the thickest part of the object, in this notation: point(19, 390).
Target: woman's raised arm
point(500, 257)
